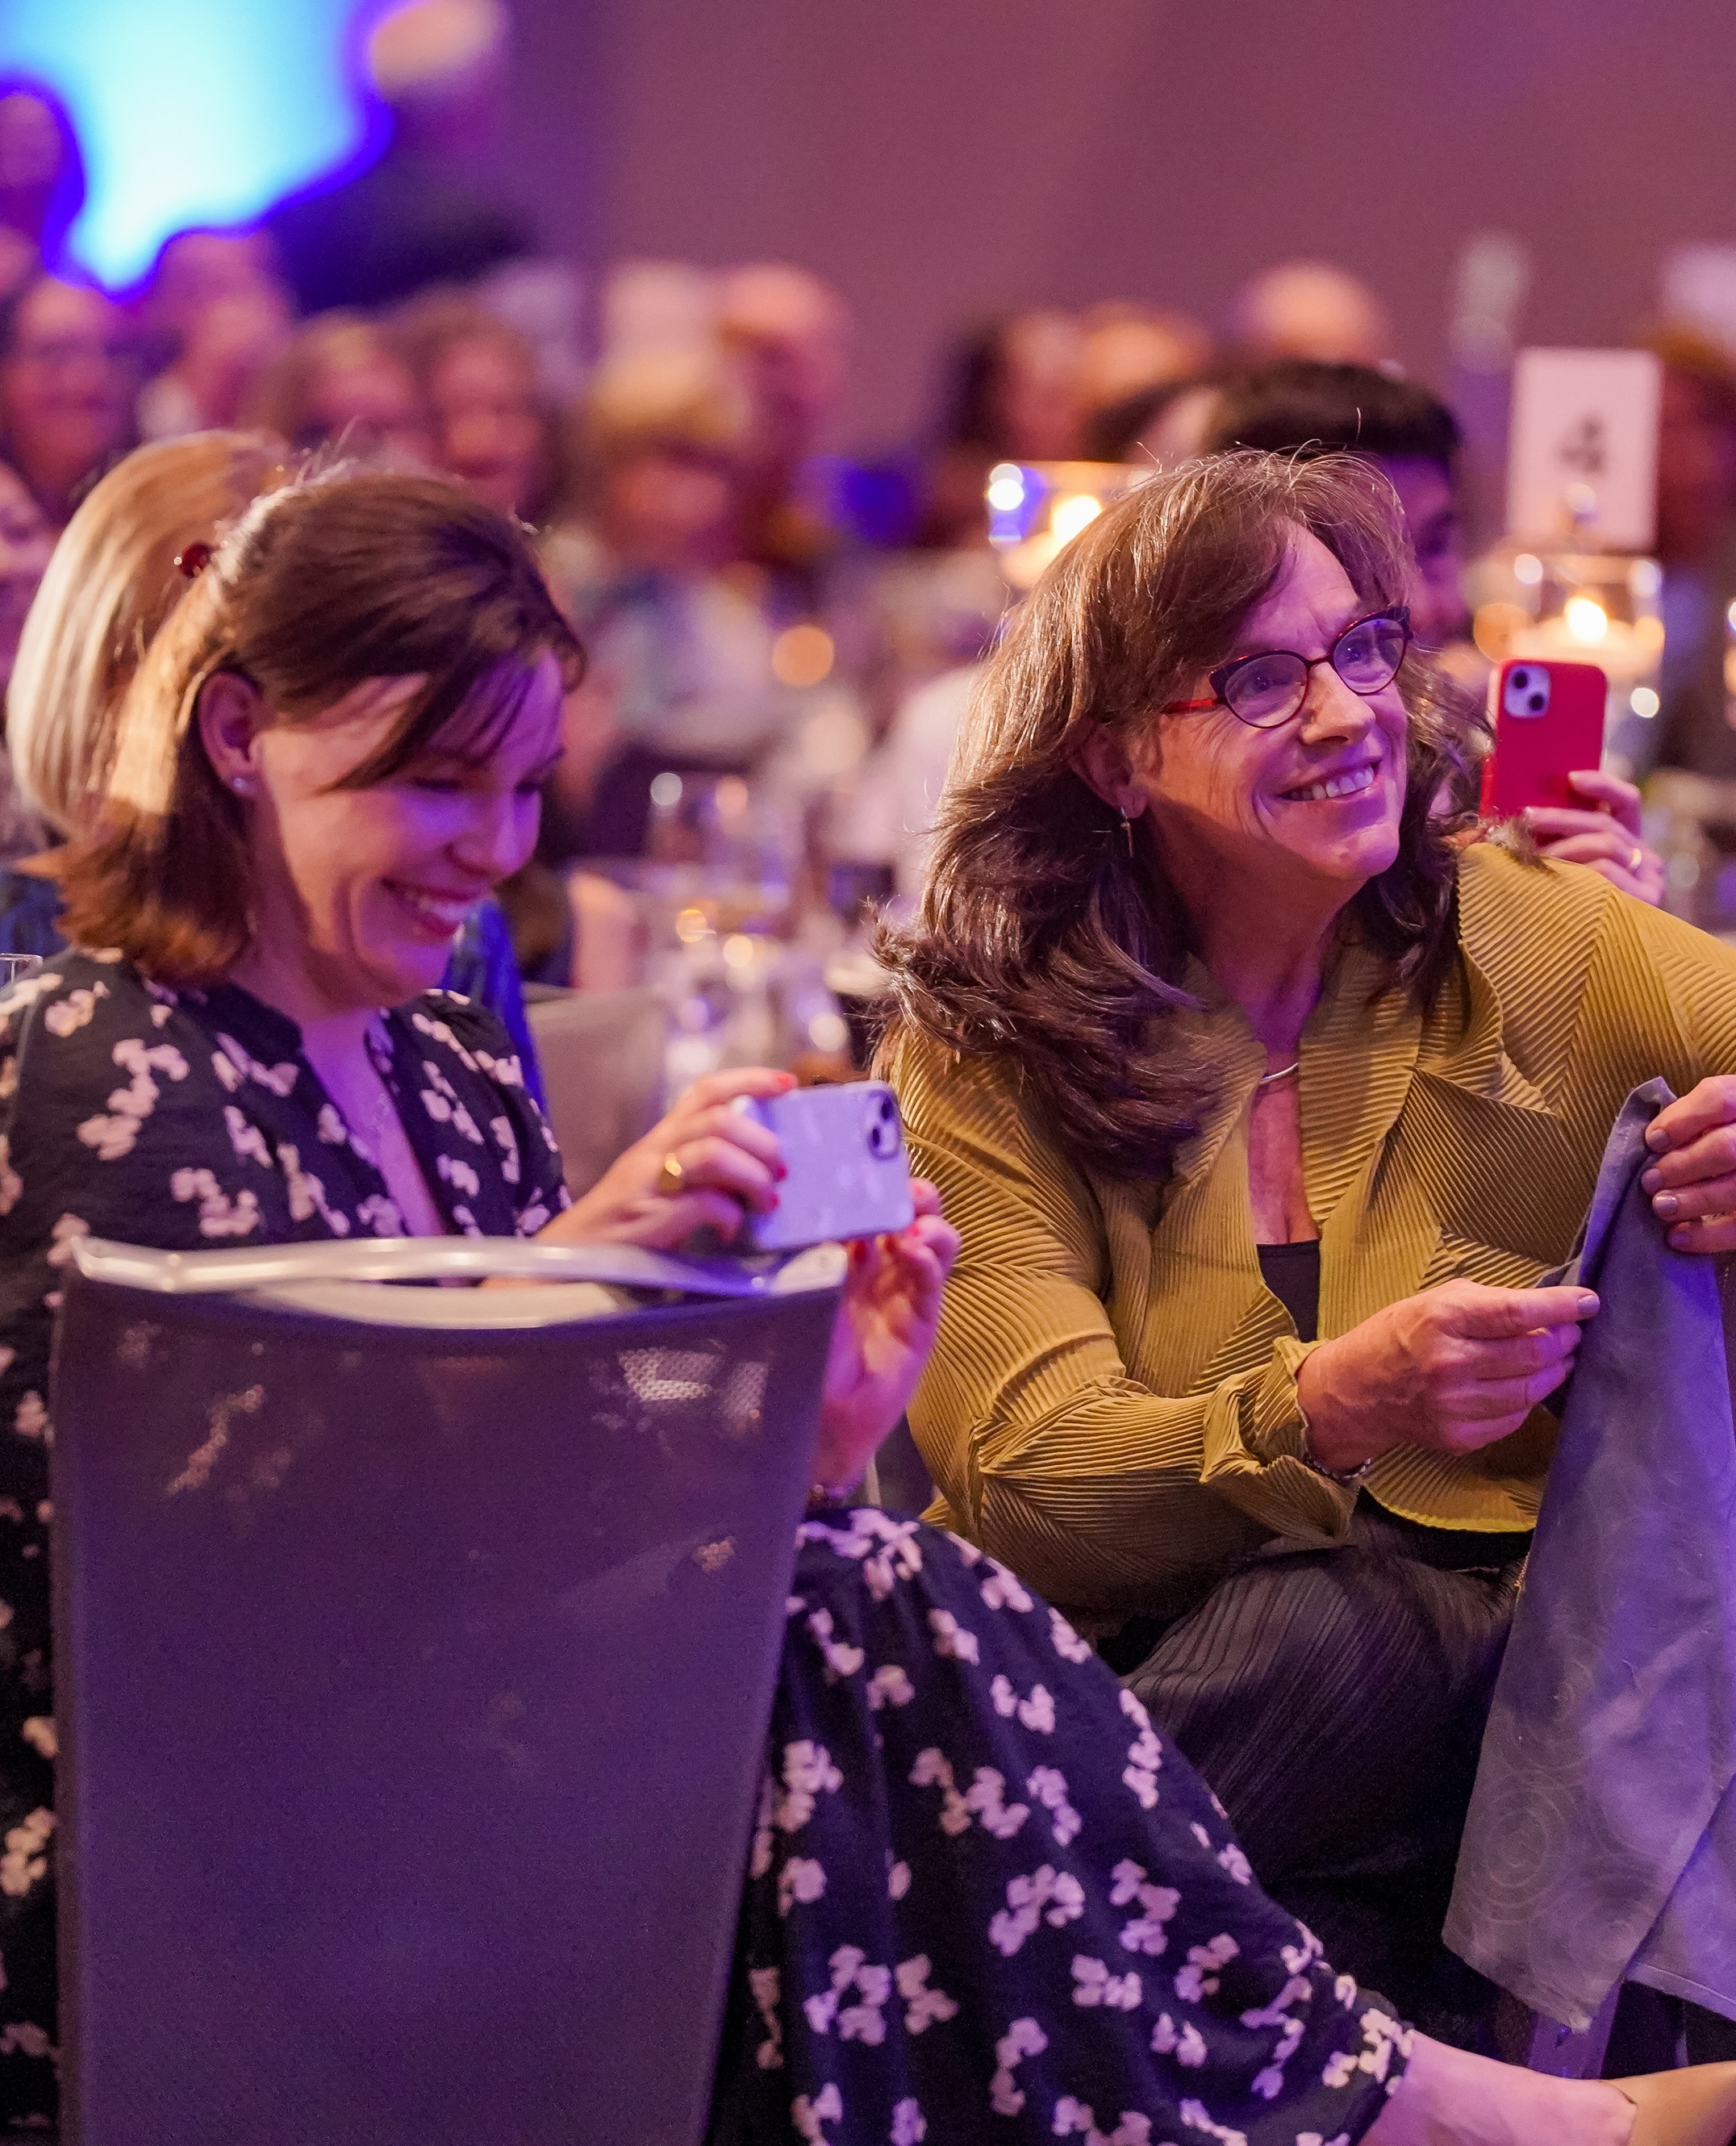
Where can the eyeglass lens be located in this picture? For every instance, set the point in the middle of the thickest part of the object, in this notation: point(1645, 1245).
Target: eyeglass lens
point(1269, 689)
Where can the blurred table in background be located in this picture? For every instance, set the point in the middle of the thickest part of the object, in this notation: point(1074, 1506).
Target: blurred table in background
point(1690, 820)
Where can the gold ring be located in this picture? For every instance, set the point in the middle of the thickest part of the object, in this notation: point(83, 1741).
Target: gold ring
point(1633, 861)
point(671, 1178)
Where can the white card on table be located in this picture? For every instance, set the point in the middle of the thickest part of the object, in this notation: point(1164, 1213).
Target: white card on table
point(1583, 454)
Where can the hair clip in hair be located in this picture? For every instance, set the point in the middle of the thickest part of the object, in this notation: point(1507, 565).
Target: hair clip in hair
point(194, 560)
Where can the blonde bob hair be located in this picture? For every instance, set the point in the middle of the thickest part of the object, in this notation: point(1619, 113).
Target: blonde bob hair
point(110, 585)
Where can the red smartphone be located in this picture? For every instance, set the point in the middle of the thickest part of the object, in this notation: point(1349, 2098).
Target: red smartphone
point(1549, 723)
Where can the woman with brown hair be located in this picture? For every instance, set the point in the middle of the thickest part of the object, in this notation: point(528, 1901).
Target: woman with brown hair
point(116, 573)
point(332, 747)
point(1262, 1104)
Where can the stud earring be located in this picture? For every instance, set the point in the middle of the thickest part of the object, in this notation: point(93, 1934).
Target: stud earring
point(241, 784)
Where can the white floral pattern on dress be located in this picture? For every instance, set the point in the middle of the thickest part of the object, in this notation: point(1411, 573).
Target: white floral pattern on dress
point(1023, 2039)
point(26, 1858)
point(1049, 1785)
point(808, 2114)
point(74, 1011)
point(112, 1133)
point(1036, 1712)
point(1145, 1755)
point(221, 1215)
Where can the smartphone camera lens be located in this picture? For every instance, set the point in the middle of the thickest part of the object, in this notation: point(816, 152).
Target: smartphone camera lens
point(884, 1136)
point(1528, 692)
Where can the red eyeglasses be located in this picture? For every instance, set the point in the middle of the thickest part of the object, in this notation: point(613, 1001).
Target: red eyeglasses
point(1266, 690)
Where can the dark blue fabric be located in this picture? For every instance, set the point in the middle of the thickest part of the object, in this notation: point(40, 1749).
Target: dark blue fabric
point(28, 907)
point(482, 967)
point(1601, 1840)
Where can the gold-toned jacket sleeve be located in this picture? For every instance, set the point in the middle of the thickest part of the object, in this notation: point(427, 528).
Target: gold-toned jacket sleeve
point(1103, 1494)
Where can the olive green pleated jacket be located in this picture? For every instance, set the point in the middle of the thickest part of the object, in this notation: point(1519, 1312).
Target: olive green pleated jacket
point(1111, 1408)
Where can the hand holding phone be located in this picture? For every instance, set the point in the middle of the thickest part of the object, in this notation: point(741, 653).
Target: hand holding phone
point(1604, 831)
point(1549, 723)
point(847, 1172)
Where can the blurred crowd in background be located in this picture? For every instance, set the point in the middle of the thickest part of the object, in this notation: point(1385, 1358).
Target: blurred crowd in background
point(780, 636)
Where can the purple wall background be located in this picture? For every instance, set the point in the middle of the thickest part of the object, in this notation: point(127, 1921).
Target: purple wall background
point(940, 159)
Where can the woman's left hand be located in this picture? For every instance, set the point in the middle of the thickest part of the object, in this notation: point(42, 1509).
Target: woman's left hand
point(1606, 836)
point(1693, 1182)
point(886, 1327)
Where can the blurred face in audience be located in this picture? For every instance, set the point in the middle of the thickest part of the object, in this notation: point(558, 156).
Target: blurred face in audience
point(1125, 355)
point(1227, 798)
point(359, 891)
point(1039, 394)
point(1436, 595)
point(67, 382)
point(1310, 309)
point(368, 401)
point(667, 505)
point(201, 268)
point(792, 331)
point(31, 159)
point(488, 430)
point(25, 544)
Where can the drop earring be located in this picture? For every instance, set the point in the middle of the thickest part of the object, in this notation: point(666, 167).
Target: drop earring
point(1127, 829)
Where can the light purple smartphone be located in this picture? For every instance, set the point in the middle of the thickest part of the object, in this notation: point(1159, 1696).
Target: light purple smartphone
point(849, 1174)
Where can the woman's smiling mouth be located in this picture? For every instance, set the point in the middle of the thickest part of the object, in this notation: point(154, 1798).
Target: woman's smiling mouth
point(439, 913)
point(1352, 783)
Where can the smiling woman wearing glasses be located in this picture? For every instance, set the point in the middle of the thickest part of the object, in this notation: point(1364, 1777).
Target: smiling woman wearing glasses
point(1262, 1101)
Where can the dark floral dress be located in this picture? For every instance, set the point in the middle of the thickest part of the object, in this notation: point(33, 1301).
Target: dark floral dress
point(984, 1899)
point(185, 1120)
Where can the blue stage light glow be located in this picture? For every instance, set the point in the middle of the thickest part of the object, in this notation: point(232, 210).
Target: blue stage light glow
point(192, 111)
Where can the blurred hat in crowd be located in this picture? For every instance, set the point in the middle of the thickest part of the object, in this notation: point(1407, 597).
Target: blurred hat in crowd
point(654, 305)
point(693, 398)
point(1310, 309)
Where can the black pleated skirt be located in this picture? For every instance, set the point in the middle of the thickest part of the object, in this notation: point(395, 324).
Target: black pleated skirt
point(1335, 1701)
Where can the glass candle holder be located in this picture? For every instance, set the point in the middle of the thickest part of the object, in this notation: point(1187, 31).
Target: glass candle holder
point(1578, 607)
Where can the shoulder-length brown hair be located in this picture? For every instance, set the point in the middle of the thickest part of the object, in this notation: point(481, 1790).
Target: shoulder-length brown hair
point(334, 580)
point(1044, 937)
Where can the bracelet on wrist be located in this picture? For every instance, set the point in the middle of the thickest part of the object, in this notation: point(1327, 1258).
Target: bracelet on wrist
point(1347, 1479)
point(822, 1494)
